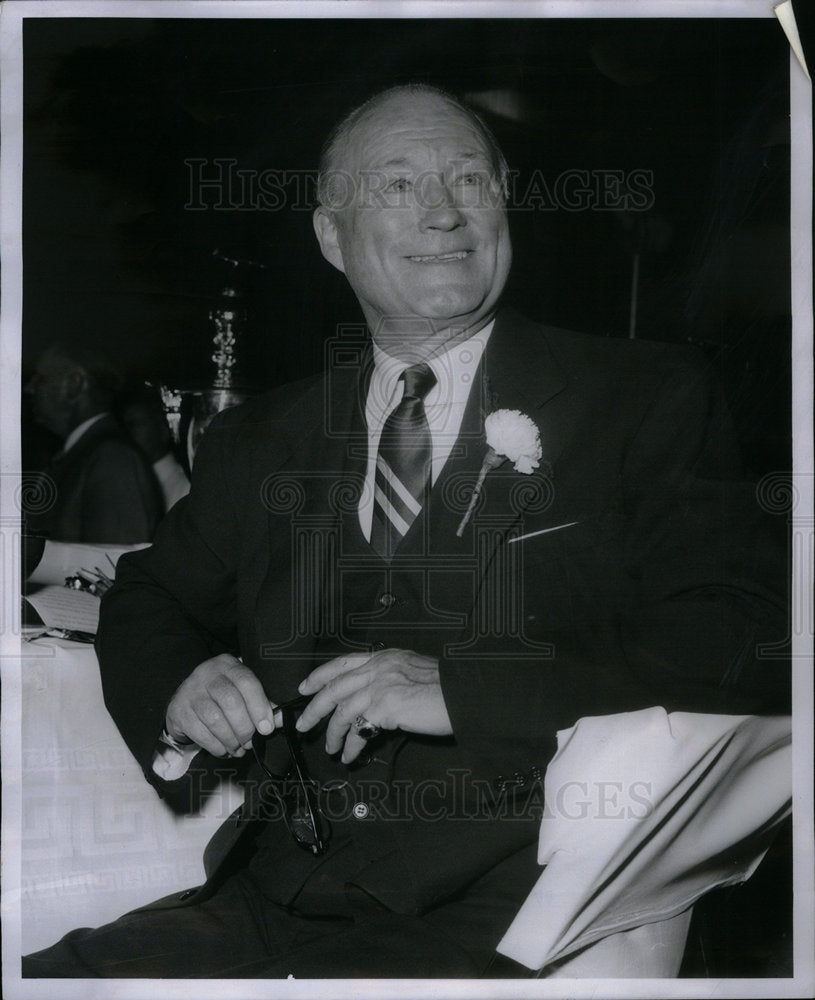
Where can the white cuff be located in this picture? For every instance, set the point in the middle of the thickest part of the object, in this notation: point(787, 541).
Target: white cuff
point(172, 759)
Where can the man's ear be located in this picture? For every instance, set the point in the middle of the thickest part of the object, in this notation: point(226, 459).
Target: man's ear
point(74, 384)
point(325, 227)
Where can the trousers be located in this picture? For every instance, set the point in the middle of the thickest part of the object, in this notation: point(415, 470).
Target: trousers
point(332, 929)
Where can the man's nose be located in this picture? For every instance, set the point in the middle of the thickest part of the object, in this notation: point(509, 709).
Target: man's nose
point(439, 209)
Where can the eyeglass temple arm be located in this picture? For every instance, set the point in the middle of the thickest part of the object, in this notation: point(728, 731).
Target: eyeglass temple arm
point(298, 702)
point(293, 739)
point(303, 777)
point(285, 708)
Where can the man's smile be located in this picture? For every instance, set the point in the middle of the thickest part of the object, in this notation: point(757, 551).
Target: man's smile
point(439, 258)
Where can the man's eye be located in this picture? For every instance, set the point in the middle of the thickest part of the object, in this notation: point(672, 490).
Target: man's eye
point(399, 184)
point(468, 180)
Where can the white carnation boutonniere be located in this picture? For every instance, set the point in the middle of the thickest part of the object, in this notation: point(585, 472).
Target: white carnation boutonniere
point(510, 435)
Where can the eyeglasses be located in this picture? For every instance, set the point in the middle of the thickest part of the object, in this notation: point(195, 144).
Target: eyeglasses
point(295, 792)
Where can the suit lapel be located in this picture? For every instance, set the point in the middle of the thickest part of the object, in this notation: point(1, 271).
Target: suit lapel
point(506, 379)
point(519, 372)
point(63, 463)
point(310, 500)
point(522, 374)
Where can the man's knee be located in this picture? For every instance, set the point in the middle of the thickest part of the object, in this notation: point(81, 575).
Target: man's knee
point(60, 961)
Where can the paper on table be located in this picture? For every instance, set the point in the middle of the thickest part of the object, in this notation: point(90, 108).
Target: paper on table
point(61, 607)
point(61, 559)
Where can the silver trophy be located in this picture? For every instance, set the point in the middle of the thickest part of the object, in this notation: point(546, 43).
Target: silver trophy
point(189, 411)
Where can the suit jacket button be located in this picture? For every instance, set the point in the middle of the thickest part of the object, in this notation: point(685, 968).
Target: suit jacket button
point(387, 600)
point(360, 810)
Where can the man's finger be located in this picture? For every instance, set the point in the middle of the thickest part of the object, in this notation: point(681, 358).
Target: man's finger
point(197, 732)
point(258, 706)
point(319, 677)
point(227, 717)
point(354, 745)
point(335, 691)
point(224, 727)
point(341, 723)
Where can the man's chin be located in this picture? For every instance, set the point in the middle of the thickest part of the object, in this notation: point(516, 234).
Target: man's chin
point(431, 319)
point(453, 313)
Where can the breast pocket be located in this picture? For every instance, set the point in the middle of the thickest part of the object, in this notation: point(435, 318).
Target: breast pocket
point(570, 574)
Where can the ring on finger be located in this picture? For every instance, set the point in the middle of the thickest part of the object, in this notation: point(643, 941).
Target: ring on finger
point(364, 729)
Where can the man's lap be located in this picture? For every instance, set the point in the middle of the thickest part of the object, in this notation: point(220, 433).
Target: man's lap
point(239, 933)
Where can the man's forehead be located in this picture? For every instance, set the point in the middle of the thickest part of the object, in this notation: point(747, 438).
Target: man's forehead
point(53, 363)
point(50, 361)
point(393, 133)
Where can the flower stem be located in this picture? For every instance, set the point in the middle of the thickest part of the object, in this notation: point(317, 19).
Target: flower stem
point(491, 461)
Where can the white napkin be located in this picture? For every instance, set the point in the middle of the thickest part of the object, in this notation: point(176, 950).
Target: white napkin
point(645, 812)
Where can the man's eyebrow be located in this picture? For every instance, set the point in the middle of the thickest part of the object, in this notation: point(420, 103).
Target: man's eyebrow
point(473, 154)
point(396, 161)
point(404, 161)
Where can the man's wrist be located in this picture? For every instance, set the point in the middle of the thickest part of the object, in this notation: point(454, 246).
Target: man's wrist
point(172, 757)
point(181, 745)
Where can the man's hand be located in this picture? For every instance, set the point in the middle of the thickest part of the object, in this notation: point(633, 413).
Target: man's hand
point(219, 706)
point(394, 689)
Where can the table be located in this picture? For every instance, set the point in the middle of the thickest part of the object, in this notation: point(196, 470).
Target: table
point(96, 840)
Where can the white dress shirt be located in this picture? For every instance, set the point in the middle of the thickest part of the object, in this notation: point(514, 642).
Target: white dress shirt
point(444, 405)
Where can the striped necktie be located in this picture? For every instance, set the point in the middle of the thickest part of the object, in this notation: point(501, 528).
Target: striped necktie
point(403, 464)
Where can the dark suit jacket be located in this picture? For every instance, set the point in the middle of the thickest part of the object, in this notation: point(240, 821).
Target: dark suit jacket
point(106, 491)
point(657, 593)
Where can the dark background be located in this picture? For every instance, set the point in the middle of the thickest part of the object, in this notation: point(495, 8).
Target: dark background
point(115, 107)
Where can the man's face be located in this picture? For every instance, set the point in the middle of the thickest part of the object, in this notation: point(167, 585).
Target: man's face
point(53, 393)
point(423, 238)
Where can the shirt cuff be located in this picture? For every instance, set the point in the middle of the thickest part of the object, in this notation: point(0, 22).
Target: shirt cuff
point(172, 759)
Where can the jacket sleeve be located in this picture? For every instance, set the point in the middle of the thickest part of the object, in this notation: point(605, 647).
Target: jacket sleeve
point(702, 588)
point(173, 605)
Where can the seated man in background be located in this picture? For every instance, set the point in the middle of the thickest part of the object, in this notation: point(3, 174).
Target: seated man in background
point(141, 411)
point(104, 490)
point(326, 551)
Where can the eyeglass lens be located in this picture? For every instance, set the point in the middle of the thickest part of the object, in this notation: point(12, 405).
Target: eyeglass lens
point(297, 792)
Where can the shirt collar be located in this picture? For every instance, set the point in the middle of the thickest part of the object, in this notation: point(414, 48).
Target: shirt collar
point(79, 430)
point(454, 369)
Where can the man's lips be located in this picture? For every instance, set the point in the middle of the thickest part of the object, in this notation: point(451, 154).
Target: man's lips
point(439, 258)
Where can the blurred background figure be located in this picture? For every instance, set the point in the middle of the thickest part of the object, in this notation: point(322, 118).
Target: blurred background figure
point(141, 411)
point(106, 491)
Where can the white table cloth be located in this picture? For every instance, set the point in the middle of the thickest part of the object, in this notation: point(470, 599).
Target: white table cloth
point(96, 840)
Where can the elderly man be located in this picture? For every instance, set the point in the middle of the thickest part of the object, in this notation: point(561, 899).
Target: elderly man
point(427, 619)
point(105, 492)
